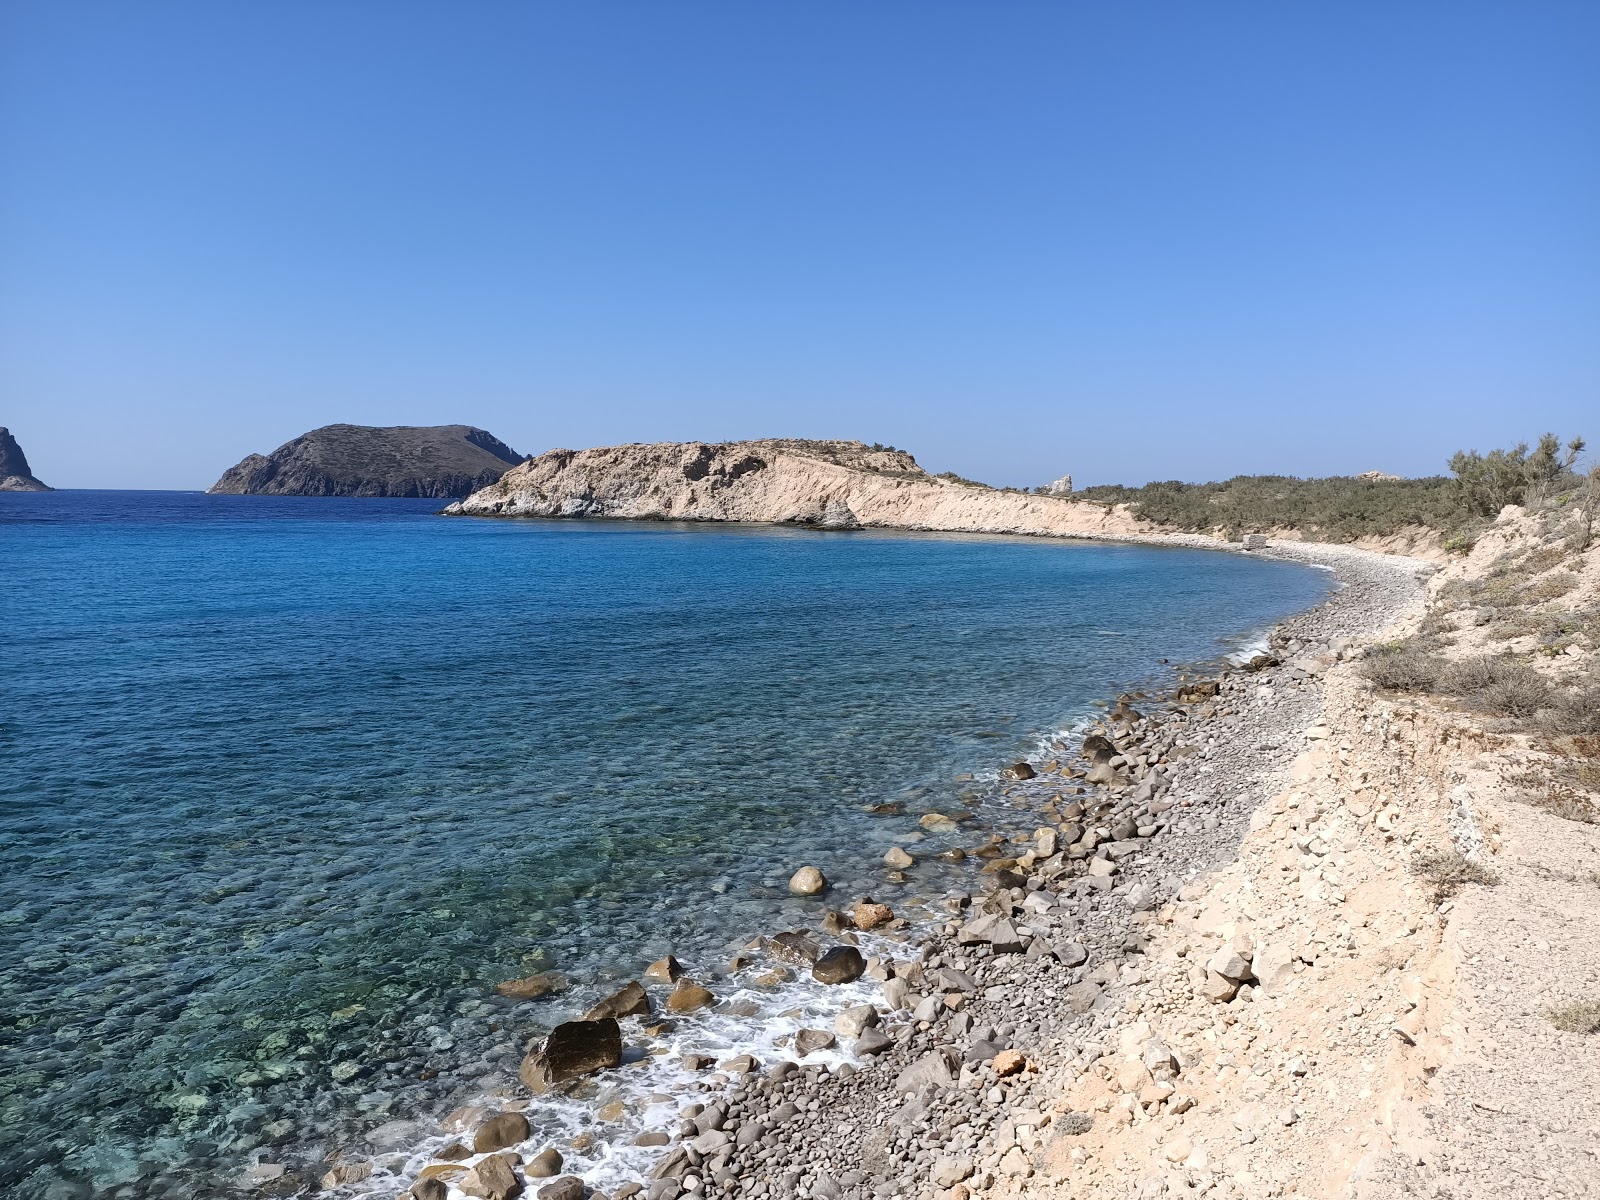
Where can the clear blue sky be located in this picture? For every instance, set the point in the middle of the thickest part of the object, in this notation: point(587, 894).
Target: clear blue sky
point(1125, 240)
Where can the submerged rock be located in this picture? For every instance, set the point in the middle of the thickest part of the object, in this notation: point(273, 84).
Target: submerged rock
point(547, 983)
point(630, 1000)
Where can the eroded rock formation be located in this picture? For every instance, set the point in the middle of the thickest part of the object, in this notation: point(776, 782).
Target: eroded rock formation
point(827, 485)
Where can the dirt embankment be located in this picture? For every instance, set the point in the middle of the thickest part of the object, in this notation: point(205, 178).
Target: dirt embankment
point(1411, 917)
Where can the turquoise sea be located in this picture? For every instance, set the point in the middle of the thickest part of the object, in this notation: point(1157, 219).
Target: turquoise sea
point(286, 785)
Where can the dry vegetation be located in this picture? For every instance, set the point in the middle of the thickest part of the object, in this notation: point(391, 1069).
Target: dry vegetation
point(1448, 872)
point(1344, 508)
point(1582, 1017)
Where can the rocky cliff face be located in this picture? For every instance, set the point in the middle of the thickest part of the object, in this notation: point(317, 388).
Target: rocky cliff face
point(829, 485)
point(15, 475)
point(439, 461)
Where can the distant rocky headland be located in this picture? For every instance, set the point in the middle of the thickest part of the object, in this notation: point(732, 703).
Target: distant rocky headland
point(822, 484)
point(433, 461)
point(15, 474)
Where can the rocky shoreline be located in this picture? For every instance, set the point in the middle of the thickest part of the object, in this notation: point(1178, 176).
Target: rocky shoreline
point(977, 1025)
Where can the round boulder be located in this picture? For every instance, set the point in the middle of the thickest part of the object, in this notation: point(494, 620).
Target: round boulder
point(842, 964)
point(808, 881)
point(497, 1133)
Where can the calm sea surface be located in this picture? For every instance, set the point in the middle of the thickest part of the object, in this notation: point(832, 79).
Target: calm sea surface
point(287, 785)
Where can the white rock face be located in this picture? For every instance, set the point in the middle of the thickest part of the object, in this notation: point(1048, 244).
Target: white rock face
point(826, 485)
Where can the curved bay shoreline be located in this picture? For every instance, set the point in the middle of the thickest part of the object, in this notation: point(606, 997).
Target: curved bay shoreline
point(982, 1010)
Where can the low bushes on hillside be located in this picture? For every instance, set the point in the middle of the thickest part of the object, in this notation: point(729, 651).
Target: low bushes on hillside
point(1402, 667)
point(1344, 508)
point(1340, 509)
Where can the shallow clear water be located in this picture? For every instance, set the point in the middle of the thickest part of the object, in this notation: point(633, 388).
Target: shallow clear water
point(287, 785)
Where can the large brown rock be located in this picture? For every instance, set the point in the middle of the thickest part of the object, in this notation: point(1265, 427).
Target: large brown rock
point(688, 997)
point(572, 1050)
point(499, 1132)
point(841, 964)
point(492, 1179)
point(630, 1000)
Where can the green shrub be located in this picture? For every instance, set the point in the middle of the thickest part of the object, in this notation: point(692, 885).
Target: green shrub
point(1345, 507)
point(1339, 509)
point(1486, 483)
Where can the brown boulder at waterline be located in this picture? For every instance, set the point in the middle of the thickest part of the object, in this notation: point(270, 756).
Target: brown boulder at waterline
point(571, 1050)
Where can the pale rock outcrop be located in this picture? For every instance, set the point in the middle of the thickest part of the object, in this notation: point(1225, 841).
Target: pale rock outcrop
point(822, 484)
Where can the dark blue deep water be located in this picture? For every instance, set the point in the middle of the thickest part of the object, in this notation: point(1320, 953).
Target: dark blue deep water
point(287, 785)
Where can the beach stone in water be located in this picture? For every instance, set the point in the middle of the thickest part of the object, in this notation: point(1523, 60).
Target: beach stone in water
point(853, 1021)
point(869, 914)
point(800, 949)
point(548, 983)
point(1019, 770)
point(507, 1129)
point(429, 1189)
point(808, 881)
point(627, 1001)
point(492, 1179)
point(898, 859)
point(664, 970)
point(568, 1187)
point(842, 964)
point(809, 1041)
point(544, 1165)
point(572, 1049)
point(688, 997)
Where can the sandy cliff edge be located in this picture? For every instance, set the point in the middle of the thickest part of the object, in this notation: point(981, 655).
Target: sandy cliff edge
point(826, 485)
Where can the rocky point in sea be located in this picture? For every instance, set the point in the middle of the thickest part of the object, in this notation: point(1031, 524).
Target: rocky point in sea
point(942, 1070)
point(437, 461)
point(15, 474)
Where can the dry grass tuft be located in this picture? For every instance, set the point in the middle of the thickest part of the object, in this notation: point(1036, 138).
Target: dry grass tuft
point(1401, 667)
point(1495, 685)
point(1582, 1017)
point(1563, 802)
point(1575, 711)
point(1449, 871)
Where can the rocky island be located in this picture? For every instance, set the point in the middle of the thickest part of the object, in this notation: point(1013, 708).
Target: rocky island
point(15, 475)
point(437, 461)
point(823, 484)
